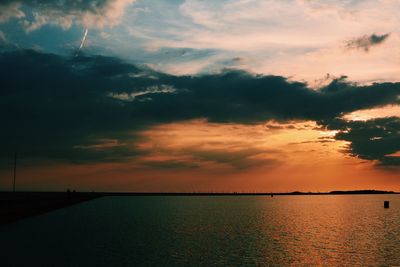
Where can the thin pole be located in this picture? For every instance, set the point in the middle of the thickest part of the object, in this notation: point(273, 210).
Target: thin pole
point(15, 170)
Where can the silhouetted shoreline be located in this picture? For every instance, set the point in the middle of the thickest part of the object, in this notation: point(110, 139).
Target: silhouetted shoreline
point(19, 205)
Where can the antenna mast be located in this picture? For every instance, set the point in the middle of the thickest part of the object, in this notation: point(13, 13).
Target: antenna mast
point(15, 170)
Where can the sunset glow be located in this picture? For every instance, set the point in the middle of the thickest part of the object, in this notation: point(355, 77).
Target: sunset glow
point(200, 96)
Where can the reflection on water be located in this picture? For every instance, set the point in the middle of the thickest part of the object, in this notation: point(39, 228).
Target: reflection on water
point(222, 231)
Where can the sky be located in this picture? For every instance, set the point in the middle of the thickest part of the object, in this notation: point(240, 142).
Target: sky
point(200, 95)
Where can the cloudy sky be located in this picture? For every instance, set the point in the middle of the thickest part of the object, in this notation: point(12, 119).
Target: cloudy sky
point(199, 95)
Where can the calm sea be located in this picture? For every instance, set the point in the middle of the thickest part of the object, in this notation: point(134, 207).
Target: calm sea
point(349, 230)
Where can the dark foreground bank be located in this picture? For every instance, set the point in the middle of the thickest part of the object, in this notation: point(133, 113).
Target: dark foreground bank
point(19, 205)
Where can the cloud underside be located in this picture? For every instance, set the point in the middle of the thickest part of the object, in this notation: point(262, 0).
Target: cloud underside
point(91, 108)
point(375, 139)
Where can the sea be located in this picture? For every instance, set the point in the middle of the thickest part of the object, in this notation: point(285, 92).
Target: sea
point(305, 230)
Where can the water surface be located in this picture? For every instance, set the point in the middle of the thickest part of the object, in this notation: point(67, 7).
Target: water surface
point(345, 230)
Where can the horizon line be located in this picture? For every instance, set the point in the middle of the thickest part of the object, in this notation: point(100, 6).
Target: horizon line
point(205, 193)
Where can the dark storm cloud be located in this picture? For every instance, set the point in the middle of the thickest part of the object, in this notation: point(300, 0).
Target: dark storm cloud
point(90, 108)
point(374, 139)
point(366, 42)
point(54, 106)
point(236, 96)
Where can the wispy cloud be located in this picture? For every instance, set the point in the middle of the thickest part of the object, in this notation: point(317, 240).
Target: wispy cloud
point(366, 42)
point(10, 9)
point(97, 14)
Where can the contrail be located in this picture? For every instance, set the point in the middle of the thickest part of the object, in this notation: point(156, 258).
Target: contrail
point(82, 42)
point(83, 39)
